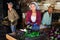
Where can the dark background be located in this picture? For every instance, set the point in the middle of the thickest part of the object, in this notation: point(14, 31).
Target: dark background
point(15, 3)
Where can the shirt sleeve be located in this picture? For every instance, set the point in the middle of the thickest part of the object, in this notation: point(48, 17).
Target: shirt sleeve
point(44, 19)
point(27, 17)
point(39, 18)
point(16, 15)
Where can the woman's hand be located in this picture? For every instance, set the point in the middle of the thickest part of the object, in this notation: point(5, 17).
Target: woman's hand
point(28, 23)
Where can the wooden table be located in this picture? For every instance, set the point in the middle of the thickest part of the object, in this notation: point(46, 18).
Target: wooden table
point(56, 23)
point(10, 37)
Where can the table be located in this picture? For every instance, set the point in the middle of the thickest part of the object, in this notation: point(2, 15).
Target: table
point(55, 23)
point(10, 37)
point(17, 36)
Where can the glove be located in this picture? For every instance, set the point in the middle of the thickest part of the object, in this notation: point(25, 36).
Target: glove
point(35, 24)
point(12, 20)
point(35, 27)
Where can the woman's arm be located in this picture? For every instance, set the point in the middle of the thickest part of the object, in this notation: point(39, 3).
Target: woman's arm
point(38, 18)
point(27, 17)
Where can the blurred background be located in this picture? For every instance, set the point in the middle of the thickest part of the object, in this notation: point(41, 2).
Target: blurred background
point(21, 6)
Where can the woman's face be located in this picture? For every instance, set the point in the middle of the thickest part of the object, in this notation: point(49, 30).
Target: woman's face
point(32, 7)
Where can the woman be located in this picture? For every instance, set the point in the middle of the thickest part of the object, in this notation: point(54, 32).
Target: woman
point(33, 15)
